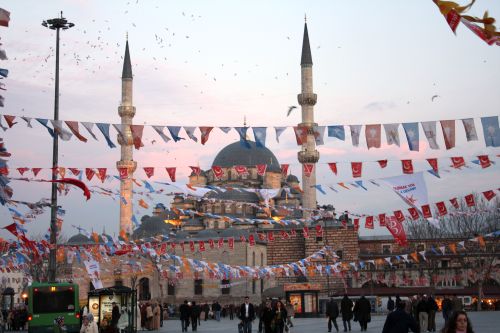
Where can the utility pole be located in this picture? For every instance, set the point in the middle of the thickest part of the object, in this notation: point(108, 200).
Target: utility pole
point(55, 24)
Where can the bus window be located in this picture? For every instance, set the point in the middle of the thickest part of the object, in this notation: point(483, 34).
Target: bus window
point(46, 301)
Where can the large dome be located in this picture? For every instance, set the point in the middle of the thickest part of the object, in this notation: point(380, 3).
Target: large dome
point(236, 154)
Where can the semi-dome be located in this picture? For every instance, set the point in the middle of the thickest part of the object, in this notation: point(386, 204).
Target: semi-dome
point(236, 154)
point(152, 226)
point(292, 179)
point(79, 239)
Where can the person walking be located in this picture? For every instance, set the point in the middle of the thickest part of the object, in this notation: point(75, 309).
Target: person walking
point(390, 304)
point(122, 322)
point(447, 308)
point(247, 315)
point(432, 307)
point(206, 309)
point(458, 323)
point(185, 315)
point(279, 317)
point(115, 316)
point(399, 321)
point(231, 311)
point(267, 317)
point(217, 309)
point(362, 311)
point(423, 313)
point(332, 312)
point(290, 312)
point(398, 300)
point(260, 310)
point(195, 315)
point(346, 310)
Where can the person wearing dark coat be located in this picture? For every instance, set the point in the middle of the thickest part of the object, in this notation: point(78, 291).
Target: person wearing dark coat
point(247, 315)
point(115, 316)
point(362, 312)
point(195, 315)
point(267, 316)
point(433, 307)
point(279, 317)
point(346, 310)
point(399, 321)
point(185, 315)
point(332, 312)
point(447, 308)
point(398, 300)
point(390, 304)
point(206, 309)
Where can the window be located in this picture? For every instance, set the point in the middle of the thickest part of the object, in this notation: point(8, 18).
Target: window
point(254, 284)
point(319, 239)
point(198, 287)
point(386, 248)
point(170, 289)
point(226, 291)
point(340, 254)
point(444, 263)
point(253, 258)
point(420, 247)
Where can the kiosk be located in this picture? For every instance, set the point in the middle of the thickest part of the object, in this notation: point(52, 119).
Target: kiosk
point(100, 306)
point(304, 298)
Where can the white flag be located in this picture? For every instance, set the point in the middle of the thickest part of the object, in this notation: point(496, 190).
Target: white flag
point(429, 128)
point(411, 188)
point(392, 134)
point(355, 131)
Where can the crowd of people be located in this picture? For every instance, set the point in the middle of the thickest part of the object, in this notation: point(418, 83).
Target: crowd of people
point(14, 320)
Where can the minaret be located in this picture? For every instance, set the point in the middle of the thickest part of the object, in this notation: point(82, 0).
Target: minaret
point(307, 100)
point(126, 111)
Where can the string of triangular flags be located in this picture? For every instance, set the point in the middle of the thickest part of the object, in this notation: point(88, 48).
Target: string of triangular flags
point(4, 22)
point(453, 14)
point(373, 132)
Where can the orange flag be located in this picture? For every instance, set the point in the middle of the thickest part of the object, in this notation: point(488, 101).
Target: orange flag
point(143, 204)
point(481, 242)
point(414, 255)
point(453, 248)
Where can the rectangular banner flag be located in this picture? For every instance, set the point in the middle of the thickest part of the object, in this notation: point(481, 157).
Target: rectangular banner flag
point(429, 128)
point(412, 135)
point(411, 188)
point(94, 271)
point(392, 134)
point(491, 131)
point(448, 127)
point(355, 131)
point(373, 135)
point(470, 129)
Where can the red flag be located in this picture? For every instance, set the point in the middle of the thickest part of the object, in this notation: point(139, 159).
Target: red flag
point(284, 169)
point(171, 173)
point(484, 160)
point(74, 182)
point(284, 234)
point(261, 169)
point(76, 172)
point(453, 19)
point(372, 134)
point(458, 162)
point(381, 220)
point(251, 240)
point(454, 202)
point(399, 215)
point(4, 17)
point(137, 135)
point(220, 243)
point(205, 133)
point(270, 236)
point(441, 206)
point(201, 246)
point(150, 171)
point(196, 170)
point(434, 163)
point(243, 239)
point(89, 173)
point(382, 163)
point(469, 200)
point(123, 171)
point(230, 243)
point(356, 224)
point(489, 195)
point(22, 170)
point(308, 169)
point(101, 174)
point(218, 172)
point(407, 166)
point(191, 246)
point(73, 126)
point(356, 169)
point(306, 232)
point(10, 120)
point(241, 170)
point(211, 243)
point(448, 127)
point(262, 236)
point(36, 171)
point(414, 213)
point(181, 244)
point(300, 134)
point(319, 230)
point(333, 167)
point(398, 232)
point(369, 222)
point(426, 211)
point(293, 233)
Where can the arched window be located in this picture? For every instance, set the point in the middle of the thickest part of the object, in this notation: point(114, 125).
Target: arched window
point(144, 291)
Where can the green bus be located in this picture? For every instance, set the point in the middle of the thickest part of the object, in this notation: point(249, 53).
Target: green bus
point(47, 301)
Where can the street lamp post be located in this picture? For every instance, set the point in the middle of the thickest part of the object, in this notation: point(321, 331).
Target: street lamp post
point(55, 24)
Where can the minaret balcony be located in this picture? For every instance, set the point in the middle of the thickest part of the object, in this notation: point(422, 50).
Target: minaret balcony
point(308, 156)
point(307, 99)
point(126, 111)
point(130, 165)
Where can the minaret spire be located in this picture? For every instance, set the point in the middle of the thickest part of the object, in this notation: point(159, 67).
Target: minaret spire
point(308, 156)
point(126, 165)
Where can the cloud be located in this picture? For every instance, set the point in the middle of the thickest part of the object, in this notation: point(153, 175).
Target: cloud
point(380, 106)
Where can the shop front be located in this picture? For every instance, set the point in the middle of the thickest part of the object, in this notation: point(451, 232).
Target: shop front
point(304, 298)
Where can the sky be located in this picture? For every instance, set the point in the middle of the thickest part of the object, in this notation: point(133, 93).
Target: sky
point(214, 63)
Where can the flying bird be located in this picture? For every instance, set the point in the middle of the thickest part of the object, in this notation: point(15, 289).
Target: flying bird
point(434, 97)
point(290, 109)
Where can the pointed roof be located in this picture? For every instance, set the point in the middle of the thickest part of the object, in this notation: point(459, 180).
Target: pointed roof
point(127, 66)
point(306, 58)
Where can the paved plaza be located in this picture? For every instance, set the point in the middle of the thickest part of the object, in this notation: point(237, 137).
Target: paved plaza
point(483, 322)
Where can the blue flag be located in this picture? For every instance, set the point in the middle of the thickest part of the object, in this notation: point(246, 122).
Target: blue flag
point(174, 132)
point(411, 131)
point(319, 188)
point(260, 136)
point(242, 131)
point(44, 124)
point(360, 184)
point(148, 186)
point(104, 128)
point(4, 72)
point(491, 131)
point(336, 131)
